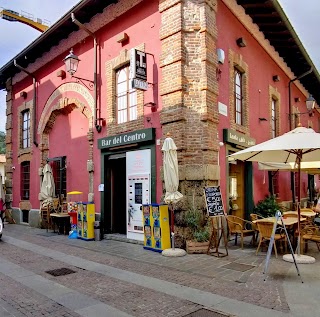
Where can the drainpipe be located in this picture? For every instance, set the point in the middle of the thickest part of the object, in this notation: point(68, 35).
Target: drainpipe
point(34, 117)
point(95, 86)
point(290, 128)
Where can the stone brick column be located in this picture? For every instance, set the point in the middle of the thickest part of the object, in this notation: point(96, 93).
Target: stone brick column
point(8, 166)
point(189, 91)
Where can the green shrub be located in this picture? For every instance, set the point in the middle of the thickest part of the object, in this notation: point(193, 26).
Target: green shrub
point(196, 221)
point(267, 207)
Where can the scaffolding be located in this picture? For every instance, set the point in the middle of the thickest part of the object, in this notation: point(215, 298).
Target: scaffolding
point(24, 17)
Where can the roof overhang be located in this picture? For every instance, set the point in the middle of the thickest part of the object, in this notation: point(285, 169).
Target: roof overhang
point(275, 25)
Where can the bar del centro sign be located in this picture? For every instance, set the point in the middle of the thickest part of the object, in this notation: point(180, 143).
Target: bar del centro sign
point(138, 69)
point(137, 136)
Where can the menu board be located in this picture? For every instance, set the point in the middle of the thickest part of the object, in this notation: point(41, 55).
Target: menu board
point(213, 201)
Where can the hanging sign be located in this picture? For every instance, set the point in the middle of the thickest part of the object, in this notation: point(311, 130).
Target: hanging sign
point(214, 201)
point(138, 69)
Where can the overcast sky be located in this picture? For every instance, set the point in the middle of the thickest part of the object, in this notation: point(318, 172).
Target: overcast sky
point(15, 36)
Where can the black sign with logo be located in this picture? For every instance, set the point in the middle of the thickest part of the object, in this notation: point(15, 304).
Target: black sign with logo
point(139, 64)
point(214, 201)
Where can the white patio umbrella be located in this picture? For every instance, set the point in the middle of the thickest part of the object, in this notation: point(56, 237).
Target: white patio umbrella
point(47, 191)
point(171, 180)
point(307, 167)
point(297, 146)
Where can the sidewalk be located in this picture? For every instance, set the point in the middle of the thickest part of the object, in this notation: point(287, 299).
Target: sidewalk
point(233, 284)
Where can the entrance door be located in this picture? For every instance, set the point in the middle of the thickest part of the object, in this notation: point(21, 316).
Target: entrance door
point(237, 189)
point(115, 180)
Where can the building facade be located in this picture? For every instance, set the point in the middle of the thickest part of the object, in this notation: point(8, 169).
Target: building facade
point(216, 78)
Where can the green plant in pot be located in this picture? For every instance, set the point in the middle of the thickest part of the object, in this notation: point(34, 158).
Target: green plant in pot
point(267, 207)
point(199, 231)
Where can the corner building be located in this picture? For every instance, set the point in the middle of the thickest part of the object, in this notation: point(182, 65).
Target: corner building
point(217, 79)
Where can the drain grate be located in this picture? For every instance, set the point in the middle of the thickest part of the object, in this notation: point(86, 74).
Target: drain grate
point(207, 313)
point(60, 272)
point(238, 267)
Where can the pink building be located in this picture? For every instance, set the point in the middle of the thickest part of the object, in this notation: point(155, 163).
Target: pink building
point(219, 75)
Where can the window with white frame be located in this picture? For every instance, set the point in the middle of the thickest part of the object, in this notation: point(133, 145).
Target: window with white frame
point(25, 141)
point(273, 118)
point(238, 98)
point(126, 97)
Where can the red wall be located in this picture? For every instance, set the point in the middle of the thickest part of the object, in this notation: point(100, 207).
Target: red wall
point(69, 133)
point(261, 68)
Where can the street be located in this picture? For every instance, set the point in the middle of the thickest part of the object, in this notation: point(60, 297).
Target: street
point(112, 278)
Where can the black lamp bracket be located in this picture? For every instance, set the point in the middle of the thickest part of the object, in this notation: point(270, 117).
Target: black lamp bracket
point(90, 84)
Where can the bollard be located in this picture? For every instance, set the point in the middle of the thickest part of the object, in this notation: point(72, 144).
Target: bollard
point(97, 234)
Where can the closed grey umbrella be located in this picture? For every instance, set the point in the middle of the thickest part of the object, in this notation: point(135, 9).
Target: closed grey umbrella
point(171, 181)
point(47, 186)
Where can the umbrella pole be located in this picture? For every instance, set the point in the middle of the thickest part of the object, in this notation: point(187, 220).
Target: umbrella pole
point(299, 200)
point(172, 225)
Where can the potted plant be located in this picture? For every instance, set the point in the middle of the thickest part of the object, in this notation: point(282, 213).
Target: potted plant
point(267, 207)
point(199, 232)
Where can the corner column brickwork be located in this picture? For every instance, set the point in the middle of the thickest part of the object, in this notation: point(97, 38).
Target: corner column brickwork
point(9, 152)
point(189, 90)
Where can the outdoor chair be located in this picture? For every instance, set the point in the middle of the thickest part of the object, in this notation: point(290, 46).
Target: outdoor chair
point(237, 225)
point(309, 233)
point(45, 209)
point(254, 217)
point(265, 230)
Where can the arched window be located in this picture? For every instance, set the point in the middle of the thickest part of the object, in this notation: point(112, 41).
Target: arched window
point(238, 97)
point(126, 97)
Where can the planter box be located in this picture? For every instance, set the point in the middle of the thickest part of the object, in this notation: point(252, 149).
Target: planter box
point(197, 247)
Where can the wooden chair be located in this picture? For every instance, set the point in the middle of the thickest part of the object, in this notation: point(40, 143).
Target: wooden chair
point(240, 226)
point(265, 230)
point(45, 216)
point(309, 233)
point(254, 217)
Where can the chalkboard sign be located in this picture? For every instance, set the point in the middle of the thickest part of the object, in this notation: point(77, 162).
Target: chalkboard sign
point(214, 201)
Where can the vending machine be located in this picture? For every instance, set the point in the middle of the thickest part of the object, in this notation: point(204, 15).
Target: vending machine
point(156, 227)
point(138, 194)
point(85, 223)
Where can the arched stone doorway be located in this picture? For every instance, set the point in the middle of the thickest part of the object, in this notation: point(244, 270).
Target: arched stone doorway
point(58, 104)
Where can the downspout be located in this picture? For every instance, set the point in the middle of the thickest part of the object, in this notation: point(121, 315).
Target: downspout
point(293, 190)
point(95, 86)
point(34, 117)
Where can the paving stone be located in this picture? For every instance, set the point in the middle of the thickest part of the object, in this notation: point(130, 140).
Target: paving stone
point(194, 271)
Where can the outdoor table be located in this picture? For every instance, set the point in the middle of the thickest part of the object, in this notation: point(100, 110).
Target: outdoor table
point(62, 220)
point(306, 214)
point(288, 222)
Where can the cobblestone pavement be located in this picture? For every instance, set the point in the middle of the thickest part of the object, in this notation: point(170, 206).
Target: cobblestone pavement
point(238, 276)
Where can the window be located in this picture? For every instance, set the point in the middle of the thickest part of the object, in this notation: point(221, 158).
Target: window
point(273, 118)
point(274, 187)
point(59, 172)
point(25, 129)
point(238, 97)
point(126, 97)
point(25, 180)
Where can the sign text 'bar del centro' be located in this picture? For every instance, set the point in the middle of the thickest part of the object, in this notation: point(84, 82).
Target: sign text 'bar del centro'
point(127, 138)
